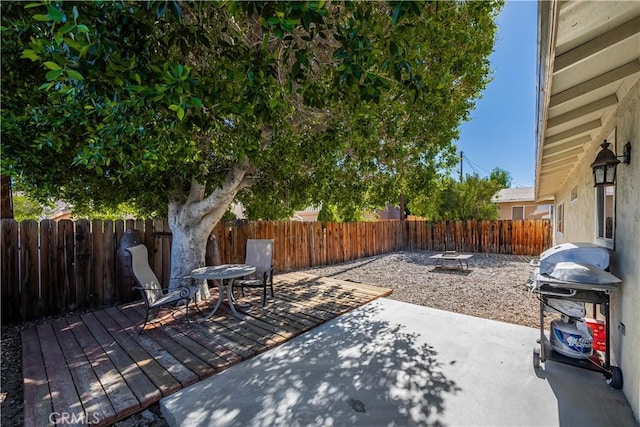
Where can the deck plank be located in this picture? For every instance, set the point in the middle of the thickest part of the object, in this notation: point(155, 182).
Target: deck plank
point(96, 406)
point(164, 358)
point(63, 391)
point(144, 390)
point(122, 399)
point(187, 358)
point(118, 371)
point(185, 336)
point(37, 399)
point(162, 379)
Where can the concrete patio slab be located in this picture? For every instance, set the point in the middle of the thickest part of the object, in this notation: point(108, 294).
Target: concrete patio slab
point(397, 364)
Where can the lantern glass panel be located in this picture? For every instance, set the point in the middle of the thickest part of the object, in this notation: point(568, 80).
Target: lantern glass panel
point(598, 174)
point(611, 174)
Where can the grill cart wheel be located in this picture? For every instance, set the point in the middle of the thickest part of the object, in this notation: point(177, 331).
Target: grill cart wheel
point(615, 380)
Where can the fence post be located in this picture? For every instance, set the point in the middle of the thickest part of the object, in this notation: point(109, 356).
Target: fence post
point(9, 273)
point(29, 271)
point(48, 264)
point(84, 289)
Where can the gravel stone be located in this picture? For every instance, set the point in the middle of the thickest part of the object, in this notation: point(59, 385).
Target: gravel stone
point(494, 286)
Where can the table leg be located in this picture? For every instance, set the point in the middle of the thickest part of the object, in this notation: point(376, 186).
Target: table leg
point(220, 296)
point(231, 300)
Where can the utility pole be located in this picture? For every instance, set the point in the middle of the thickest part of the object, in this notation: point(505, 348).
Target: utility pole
point(461, 155)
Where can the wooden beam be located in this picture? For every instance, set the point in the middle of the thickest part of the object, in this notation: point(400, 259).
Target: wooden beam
point(557, 168)
point(552, 158)
point(562, 162)
point(565, 146)
point(593, 46)
point(551, 185)
point(598, 105)
point(556, 173)
point(556, 139)
point(595, 83)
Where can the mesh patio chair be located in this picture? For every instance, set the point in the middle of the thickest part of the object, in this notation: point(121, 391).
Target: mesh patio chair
point(155, 297)
point(260, 256)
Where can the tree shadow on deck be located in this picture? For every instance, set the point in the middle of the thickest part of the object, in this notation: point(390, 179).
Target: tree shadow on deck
point(354, 370)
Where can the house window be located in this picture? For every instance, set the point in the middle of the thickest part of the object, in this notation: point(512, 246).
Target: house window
point(574, 194)
point(517, 212)
point(605, 215)
point(560, 218)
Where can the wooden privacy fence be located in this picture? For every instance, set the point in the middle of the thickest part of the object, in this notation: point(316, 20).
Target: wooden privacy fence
point(56, 267)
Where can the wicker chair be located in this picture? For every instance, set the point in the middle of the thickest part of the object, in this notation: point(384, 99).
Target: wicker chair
point(155, 297)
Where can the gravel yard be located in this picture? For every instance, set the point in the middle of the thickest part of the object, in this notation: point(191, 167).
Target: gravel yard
point(493, 288)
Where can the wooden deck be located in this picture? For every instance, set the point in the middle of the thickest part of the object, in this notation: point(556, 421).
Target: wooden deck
point(94, 368)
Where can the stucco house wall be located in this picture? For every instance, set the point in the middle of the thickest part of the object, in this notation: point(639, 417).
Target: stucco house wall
point(625, 257)
point(529, 210)
point(508, 198)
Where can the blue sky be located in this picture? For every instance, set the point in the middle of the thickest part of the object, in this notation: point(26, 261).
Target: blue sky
point(501, 131)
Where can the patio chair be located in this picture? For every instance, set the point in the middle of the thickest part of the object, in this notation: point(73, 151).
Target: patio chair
point(260, 256)
point(155, 297)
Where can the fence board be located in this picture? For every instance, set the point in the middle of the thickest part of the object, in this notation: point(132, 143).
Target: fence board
point(74, 266)
point(48, 273)
point(84, 288)
point(66, 294)
point(108, 264)
point(97, 239)
point(29, 271)
point(9, 274)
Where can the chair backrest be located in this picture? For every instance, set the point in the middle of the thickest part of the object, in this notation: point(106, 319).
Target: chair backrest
point(143, 274)
point(260, 254)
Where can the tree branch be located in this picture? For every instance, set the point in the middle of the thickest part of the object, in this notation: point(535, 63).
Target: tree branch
point(225, 194)
point(196, 192)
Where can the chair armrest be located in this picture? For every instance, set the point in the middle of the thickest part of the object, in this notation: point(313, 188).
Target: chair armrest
point(183, 290)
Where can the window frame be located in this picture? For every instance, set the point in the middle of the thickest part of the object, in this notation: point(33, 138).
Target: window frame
point(523, 211)
point(574, 194)
point(559, 218)
point(600, 208)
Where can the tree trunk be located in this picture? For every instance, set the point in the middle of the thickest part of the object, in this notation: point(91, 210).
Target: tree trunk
point(192, 219)
point(187, 253)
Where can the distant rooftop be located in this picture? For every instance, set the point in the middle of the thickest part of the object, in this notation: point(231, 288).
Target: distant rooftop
point(507, 195)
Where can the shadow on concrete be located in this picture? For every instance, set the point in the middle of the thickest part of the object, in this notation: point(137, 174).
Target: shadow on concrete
point(355, 371)
point(581, 392)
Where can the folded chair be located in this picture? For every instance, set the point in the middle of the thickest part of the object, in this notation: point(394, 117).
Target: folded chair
point(260, 256)
point(148, 284)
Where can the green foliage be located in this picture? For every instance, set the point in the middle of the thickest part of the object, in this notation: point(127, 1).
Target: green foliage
point(345, 103)
point(26, 208)
point(501, 176)
point(343, 213)
point(328, 213)
point(470, 199)
point(119, 211)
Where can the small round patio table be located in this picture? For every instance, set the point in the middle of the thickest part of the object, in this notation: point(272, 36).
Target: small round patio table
point(224, 275)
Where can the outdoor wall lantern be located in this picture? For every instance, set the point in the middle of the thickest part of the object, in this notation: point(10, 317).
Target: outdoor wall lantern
point(604, 166)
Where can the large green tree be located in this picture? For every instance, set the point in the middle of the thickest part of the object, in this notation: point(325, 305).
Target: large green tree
point(466, 200)
point(182, 107)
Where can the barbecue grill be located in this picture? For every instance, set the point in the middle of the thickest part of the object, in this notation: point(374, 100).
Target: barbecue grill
point(565, 278)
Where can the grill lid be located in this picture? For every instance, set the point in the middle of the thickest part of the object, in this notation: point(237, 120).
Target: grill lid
point(580, 253)
point(582, 273)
